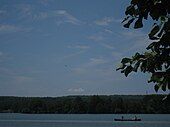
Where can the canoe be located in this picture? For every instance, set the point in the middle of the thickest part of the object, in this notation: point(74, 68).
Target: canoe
point(127, 119)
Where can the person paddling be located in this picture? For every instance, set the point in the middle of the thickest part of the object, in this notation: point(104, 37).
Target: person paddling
point(135, 118)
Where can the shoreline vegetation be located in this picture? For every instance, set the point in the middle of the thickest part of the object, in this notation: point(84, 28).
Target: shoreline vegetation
point(94, 104)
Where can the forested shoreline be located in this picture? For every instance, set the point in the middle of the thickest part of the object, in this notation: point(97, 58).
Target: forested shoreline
point(96, 104)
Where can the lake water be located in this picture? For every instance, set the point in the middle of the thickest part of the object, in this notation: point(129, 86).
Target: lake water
point(83, 120)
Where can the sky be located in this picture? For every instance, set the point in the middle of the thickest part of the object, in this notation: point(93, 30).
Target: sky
point(68, 47)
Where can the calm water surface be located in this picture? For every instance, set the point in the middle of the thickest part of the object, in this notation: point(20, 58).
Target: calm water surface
point(84, 120)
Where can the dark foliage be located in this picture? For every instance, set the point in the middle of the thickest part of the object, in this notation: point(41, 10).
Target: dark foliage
point(156, 60)
point(86, 104)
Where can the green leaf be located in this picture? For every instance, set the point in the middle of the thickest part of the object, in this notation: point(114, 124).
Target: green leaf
point(130, 10)
point(153, 38)
point(157, 59)
point(167, 25)
point(126, 25)
point(134, 2)
point(128, 70)
point(122, 66)
point(125, 19)
point(158, 10)
point(165, 38)
point(123, 71)
point(151, 45)
point(168, 85)
point(125, 60)
point(135, 69)
point(136, 56)
point(138, 23)
point(154, 31)
point(164, 87)
point(156, 78)
point(145, 15)
point(160, 33)
point(162, 18)
point(156, 87)
point(129, 22)
point(143, 66)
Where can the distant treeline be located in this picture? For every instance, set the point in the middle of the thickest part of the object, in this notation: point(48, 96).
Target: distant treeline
point(86, 104)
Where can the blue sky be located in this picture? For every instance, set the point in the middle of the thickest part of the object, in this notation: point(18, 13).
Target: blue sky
point(67, 47)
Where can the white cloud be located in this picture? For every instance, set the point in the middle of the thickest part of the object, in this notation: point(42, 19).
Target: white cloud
point(5, 28)
point(96, 61)
point(137, 40)
point(129, 34)
point(79, 70)
point(106, 21)
point(25, 11)
point(107, 45)
point(73, 54)
point(45, 2)
point(60, 16)
point(81, 47)
point(67, 56)
point(98, 75)
point(76, 90)
point(140, 44)
point(96, 37)
point(89, 66)
point(82, 82)
point(29, 12)
point(101, 39)
point(68, 17)
point(41, 16)
point(117, 55)
point(14, 76)
point(108, 31)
